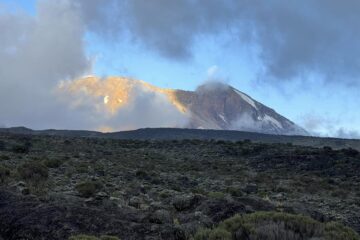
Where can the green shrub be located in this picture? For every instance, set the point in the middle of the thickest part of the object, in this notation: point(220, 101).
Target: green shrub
point(88, 237)
point(235, 192)
point(52, 163)
point(2, 146)
point(107, 237)
point(216, 195)
point(202, 234)
point(4, 157)
point(327, 148)
point(142, 174)
point(89, 188)
point(165, 193)
point(350, 152)
point(199, 190)
point(337, 231)
point(276, 226)
point(340, 193)
point(20, 148)
point(33, 171)
point(219, 234)
point(216, 234)
point(83, 237)
point(82, 168)
point(4, 173)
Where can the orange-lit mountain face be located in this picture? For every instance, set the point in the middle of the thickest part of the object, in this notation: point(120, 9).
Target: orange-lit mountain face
point(116, 92)
point(211, 106)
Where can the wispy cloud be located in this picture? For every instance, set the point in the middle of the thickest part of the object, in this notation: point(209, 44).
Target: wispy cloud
point(327, 127)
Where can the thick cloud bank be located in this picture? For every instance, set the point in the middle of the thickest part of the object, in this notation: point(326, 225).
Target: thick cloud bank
point(36, 53)
point(293, 38)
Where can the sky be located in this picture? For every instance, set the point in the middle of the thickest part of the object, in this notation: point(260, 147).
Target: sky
point(301, 58)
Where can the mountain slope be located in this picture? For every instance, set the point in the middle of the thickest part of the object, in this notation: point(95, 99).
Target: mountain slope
point(223, 107)
point(210, 106)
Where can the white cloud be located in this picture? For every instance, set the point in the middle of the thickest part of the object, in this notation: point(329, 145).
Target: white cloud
point(212, 72)
point(324, 126)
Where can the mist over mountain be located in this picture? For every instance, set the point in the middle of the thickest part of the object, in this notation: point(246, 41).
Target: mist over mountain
point(131, 104)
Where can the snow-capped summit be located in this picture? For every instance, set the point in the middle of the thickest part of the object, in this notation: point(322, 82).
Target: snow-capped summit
point(219, 106)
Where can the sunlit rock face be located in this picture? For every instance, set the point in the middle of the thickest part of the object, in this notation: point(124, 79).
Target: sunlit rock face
point(116, 92)
point(210, 106)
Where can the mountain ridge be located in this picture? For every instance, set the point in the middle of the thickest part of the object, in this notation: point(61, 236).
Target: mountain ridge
point(145, 134)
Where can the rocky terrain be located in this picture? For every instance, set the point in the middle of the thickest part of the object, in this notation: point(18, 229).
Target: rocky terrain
point(59, 187)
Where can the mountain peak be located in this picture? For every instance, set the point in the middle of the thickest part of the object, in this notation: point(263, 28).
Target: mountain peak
point(213, 105)
point(213, 86)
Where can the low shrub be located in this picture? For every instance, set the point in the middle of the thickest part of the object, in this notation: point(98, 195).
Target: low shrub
point(88, 237)
point(327, 148)
point(52, 163)
point(141, 174)
point(199, 190)
point(83, 237)
point(4, 173)
point(4, 157)
point(82, 168)
point(107, 237)
point(216, 234)
point(88, 188)
point(340, 193)
point(220, 234)
point(202, 234)
point(33, 171)
point(350, 152)
point(235, 192)
point(276, 226)
point(216, 195)
point(21, 148)
point(334, 230)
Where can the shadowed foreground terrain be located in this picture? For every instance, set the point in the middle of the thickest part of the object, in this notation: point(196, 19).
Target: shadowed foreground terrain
point(55, 187)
